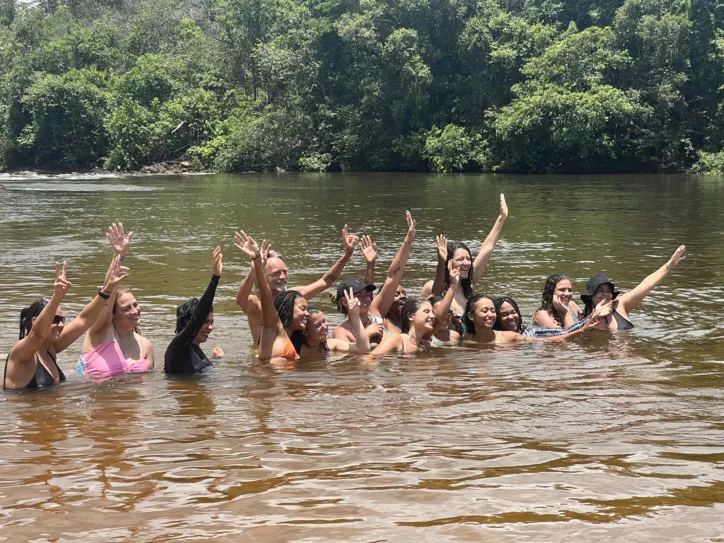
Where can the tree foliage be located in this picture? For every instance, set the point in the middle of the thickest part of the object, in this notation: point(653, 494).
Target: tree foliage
point(316, 85)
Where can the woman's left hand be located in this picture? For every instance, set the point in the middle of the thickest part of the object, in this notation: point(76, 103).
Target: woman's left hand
point(218, 262)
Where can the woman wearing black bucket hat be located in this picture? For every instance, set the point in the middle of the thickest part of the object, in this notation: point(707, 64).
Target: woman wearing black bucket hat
point(601, 288)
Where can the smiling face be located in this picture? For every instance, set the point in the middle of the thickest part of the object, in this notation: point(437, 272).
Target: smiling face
point(127, 311)
point(423, 319)
point(206, 329)
point(400, 299)
point(462, 261)
point(564, 290)
point(604, 292)
point(317, 329)
point(483, 314)
point(276, 274)
point(508, 318)
point(301, 314)
point(56, 327)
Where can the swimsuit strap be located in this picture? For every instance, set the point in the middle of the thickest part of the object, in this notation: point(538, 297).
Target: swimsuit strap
point(5, 373)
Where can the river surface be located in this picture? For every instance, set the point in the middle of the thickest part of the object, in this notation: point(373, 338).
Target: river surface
point(606, 438)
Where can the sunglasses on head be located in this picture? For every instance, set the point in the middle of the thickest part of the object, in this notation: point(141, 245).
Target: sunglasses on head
point(59, 319)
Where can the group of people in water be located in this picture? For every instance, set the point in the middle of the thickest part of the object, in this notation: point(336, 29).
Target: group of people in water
point(284, 327)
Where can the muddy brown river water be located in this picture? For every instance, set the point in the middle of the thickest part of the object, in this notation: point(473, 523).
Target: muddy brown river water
point(605, 438)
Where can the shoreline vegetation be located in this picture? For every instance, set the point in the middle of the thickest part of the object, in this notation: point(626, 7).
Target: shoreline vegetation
point(516, 86)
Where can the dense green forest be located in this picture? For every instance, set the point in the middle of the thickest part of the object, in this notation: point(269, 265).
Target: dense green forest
point(315, 85)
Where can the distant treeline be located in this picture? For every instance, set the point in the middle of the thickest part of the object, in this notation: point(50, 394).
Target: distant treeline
point(316, 85)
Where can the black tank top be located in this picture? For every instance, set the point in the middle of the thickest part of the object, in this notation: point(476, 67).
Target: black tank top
point(42, 377)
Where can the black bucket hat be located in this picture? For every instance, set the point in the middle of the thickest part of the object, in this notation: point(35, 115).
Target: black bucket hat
point(593, 284)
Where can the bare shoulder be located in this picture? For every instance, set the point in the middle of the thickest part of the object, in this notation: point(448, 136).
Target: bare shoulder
point(577, 310)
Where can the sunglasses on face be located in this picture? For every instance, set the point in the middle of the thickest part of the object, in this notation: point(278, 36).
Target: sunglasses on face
point(58, 319)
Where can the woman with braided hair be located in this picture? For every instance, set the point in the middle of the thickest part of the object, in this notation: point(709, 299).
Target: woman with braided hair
point(284, 318)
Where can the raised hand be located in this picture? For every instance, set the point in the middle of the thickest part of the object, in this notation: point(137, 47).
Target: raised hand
point(349, 240)
point(264, 251)
point(454, 276)
point(411, 228)
point(248, 245)
point(353, 305)
point(503, 207)
point(116, 274)
point(218, 262)
point(677, 257)
point(441, 243)
point(369, 249)
point(119, 241)
point(62, 285)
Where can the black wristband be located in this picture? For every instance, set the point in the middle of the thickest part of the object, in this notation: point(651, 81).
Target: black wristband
point(103, 294)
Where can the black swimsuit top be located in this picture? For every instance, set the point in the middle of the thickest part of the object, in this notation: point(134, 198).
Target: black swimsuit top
point(622, 322)
point(42, 377)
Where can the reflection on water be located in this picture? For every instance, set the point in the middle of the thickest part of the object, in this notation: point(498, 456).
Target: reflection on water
point(605, 438)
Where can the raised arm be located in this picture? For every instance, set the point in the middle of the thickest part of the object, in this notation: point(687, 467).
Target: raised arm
point(120, 243)
point(362, 346)
point(486, 250)
point(328, 279)
point(380, 306)
point(631, 300)
point(369, 251)
point(444, 306)
point(243, 297)
point(438, 285)
point(24, 349)
point(201, 312)
point(91, 312)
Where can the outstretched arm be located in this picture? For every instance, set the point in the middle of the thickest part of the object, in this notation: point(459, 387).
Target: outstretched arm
point(24, 349)
point(197, 320)
point(272, 328)
point(631, 300)
point(310, 291)
point(383, 301)
point(91, 312)
point(486, 250)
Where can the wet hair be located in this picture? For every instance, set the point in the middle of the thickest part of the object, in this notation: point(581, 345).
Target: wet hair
point(313, 310)
point(28, 314)
point(125, 290)
point(185, 311)
point(409, 308)
point(470, 307)
point(498, 303)
point(434, 299)
point(466, 284)
point(284, 304)
point(120, 290)
point(549, 289)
